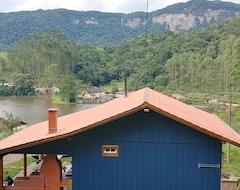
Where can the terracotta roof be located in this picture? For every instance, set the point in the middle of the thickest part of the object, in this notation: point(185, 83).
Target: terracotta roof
point(78, 122)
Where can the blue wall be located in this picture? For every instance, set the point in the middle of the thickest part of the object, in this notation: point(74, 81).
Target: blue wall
point(154, 153)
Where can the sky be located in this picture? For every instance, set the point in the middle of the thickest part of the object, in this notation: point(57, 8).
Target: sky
point(120, 6)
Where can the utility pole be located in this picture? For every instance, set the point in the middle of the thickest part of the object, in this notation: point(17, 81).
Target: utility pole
point(229, 123)
point(147, 20)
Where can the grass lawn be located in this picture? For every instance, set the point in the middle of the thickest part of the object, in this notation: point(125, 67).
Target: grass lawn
point(234, 164)
point(57, 100)
point(14, 168)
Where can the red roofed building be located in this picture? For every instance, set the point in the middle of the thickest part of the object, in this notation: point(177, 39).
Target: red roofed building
point(145, 140)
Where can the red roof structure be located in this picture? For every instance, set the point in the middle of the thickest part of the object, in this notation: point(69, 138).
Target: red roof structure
point(146, 98)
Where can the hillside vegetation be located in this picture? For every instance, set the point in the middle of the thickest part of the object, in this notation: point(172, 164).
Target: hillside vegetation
point(205, 61)
point(202, 61)
point(101, 28)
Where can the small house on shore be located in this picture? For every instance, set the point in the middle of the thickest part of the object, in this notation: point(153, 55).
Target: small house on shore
point(144, 140)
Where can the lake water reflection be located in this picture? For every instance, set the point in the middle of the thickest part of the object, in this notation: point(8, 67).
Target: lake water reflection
point(34, 109)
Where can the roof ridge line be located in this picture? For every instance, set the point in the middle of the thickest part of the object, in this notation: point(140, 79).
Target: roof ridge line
point(146, 95)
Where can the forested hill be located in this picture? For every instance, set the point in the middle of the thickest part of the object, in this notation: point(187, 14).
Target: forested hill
point(206, 60)
point(102, 28)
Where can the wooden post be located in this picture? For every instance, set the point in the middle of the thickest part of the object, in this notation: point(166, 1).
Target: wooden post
point(1, 173)
point(25, 165)
point(41, 157)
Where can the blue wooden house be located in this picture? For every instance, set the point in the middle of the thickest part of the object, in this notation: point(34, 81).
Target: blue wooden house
point(144, 141)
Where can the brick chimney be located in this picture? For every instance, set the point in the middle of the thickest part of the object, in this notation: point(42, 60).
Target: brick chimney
point(52, 120)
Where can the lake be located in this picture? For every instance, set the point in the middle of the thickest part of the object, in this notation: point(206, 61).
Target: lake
point(33, 110)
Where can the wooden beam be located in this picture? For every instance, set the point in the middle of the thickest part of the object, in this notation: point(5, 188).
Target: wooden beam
point(25, 165)
point(1, 173)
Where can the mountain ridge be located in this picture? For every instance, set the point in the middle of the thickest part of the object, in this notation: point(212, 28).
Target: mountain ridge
point(103, 28)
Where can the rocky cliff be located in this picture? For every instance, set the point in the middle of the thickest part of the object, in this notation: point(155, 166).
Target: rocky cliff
point(102, 28)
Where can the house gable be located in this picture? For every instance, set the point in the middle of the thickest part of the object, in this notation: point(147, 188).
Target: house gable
point(154, 152)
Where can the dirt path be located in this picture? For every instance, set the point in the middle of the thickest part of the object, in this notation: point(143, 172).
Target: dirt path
point(11, 158)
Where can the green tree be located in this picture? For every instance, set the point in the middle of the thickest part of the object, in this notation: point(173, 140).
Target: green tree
point(23, 84)
point(236, 59)
point(225, 63)
point(10, 122)
point(68, 88)
point(50, 76)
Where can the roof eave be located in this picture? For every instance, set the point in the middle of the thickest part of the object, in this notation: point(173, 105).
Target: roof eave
point(193, 126)
point(73, 133)
point(113, 118)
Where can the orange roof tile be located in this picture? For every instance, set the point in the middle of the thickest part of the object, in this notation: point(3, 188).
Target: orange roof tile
point(78, 122)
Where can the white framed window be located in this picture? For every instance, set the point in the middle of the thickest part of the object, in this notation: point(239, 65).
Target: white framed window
point(110, 150)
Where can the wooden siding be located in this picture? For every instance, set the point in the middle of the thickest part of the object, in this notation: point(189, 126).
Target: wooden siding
point(154, 153)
